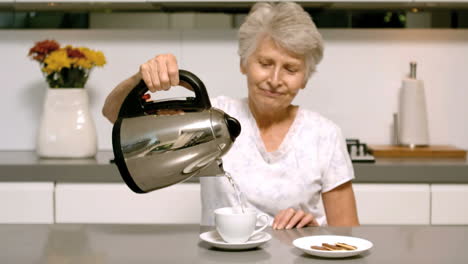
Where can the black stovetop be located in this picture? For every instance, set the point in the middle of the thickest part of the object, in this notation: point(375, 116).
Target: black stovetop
point(358, 151)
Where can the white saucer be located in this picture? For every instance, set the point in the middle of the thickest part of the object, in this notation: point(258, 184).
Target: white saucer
point(215, 240)
point(305, 243)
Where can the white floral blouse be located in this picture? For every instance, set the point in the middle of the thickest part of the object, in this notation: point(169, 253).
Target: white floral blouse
point(312, 159)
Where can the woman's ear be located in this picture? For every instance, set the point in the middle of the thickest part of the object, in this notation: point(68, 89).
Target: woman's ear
point(242, 67)
point(304, 83)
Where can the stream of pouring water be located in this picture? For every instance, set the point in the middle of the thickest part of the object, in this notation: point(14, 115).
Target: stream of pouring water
point(236, 190)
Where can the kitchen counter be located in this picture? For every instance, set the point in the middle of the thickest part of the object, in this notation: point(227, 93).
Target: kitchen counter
point(26, 166)
point(71, 243)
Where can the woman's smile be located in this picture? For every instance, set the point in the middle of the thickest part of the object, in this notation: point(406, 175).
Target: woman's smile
point(270, 92)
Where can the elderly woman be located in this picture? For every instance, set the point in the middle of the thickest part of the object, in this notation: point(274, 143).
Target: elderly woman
point(287, 160)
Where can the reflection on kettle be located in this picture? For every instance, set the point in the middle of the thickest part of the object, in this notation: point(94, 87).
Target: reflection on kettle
point(155, 151)
point(140, 146)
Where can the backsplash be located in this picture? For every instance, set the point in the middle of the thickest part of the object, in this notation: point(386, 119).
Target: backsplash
point(356, 85)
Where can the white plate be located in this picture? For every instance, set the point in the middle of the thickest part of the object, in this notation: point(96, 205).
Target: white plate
point(215, 240)
point(305, 243)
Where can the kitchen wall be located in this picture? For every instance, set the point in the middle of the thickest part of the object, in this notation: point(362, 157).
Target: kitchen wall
point(356, 85)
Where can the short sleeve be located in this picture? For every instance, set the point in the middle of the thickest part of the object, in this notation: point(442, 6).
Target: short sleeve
point(219, 102)
point(339, 169)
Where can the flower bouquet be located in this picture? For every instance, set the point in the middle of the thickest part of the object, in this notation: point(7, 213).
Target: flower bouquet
point(66, 67)
point(67, 128)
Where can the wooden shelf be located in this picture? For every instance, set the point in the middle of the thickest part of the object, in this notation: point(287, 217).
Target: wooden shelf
point(436, 151)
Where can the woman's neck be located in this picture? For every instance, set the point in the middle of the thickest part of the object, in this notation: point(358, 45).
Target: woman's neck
point(267, 118)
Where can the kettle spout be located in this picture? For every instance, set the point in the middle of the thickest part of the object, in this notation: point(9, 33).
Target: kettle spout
point(214, 169)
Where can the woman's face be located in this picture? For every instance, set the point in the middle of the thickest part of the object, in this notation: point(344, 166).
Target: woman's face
point(274, 75)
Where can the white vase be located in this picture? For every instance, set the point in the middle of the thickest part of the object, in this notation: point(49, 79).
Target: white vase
point(67, 128)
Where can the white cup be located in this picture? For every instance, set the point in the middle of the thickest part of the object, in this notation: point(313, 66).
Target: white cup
point(235, 226)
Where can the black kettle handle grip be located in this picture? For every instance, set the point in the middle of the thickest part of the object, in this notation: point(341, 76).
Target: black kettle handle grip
point(135, 105)
point(201, 95)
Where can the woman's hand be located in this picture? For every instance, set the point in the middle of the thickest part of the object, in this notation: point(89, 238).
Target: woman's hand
point(160, 73)
point(290, 218)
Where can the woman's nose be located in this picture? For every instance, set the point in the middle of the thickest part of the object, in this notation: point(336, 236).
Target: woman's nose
point(275, 77)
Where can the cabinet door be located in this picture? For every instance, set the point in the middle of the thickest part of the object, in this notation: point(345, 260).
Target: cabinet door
point(393, 203)
point(449, 204)
point(116, 203)
point(27, 202)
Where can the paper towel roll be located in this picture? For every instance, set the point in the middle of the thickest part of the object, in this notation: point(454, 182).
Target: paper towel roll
point(413, 114)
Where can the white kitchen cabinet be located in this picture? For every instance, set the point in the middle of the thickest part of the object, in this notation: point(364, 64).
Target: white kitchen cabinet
point(354, 1)
point(180, 203)
point(393, 203)
point(304, 1)
point(27, 202)
point(440, 1)
point(129, 2)
point(81, 1)
point(449, 204)
point(116, 203)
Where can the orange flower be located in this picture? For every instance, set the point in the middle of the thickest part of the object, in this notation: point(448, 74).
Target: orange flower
point(74, 53)
point(67, 67)
point(42, 49)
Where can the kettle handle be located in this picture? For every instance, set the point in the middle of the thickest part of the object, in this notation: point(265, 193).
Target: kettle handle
point(135, 105)
point(201, 95)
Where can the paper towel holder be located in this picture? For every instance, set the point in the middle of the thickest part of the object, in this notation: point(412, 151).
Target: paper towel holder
point(411, 122)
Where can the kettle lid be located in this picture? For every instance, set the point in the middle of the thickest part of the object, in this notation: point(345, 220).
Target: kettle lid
point(233, 126)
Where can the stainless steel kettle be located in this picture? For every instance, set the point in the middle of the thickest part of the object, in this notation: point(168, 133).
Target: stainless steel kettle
point(155, 151)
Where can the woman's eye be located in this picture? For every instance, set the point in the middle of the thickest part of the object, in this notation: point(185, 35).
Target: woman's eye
point(291, 70)
point(264, 63)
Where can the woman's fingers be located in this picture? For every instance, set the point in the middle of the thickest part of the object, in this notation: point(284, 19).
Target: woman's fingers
point(153, 67)
point(307, 220)
point(145, 72)
point(290, 218)
point(160, 73)
point(277, 219)
point(169, 112)
point(286, 217)
point(295, 219)
point(172, 69)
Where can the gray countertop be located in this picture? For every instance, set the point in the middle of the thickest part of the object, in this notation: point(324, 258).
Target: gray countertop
point(72, 243)
point(26, 166)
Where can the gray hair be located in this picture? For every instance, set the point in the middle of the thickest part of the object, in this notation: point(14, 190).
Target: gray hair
point(288, 25)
